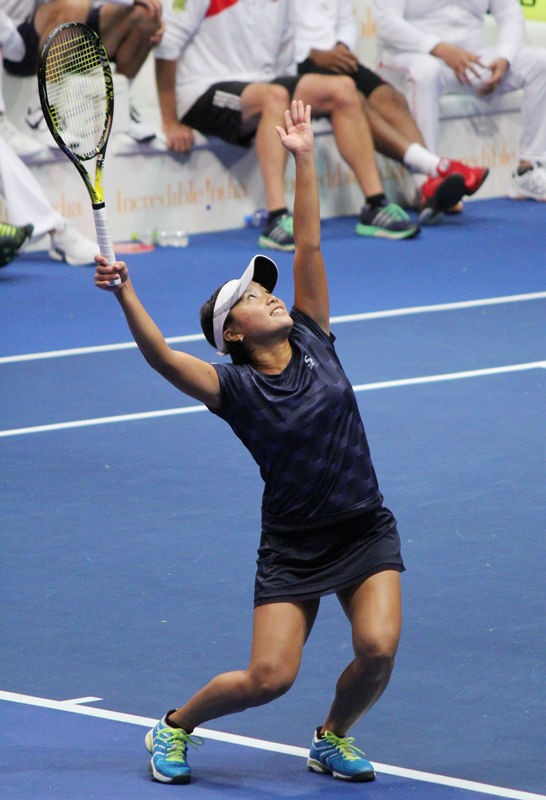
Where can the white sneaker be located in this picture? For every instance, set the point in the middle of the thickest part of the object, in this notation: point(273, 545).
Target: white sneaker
point(22, 145)
point(530, 184)
point(69, 245)
point(36, 122)
point(139, 130)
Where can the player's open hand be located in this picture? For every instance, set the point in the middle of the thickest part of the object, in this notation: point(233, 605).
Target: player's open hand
point(297, 134)
point(105, 273)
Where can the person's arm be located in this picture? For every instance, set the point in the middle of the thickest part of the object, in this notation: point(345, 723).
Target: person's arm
point(189, 374)
point(510, 28)
point(179, 137)
point(396, 32)
point(346, 28)
point(310, 283)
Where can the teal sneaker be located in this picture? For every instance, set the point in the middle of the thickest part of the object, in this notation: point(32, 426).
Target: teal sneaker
point(337, 756)
point(279, 234)
point(169, 747)
point(388, 222)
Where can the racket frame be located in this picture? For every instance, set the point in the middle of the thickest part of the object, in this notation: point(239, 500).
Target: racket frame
point(94, 188)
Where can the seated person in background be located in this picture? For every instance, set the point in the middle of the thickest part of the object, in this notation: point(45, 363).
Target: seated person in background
point(325, 39)
point(229, 71)
point(440, 48)
point(32, 214)
point(129, 30)
point(13, 48)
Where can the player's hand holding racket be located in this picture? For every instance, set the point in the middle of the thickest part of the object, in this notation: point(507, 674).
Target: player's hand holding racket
point(77, 98)
point(110, 276)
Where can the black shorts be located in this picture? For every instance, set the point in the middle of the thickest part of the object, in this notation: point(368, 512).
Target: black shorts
point(366, 80)
point(299, 565)
point(218, 111)
point(29, 63)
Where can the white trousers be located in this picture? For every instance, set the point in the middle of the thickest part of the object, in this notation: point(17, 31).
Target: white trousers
point(25, 200)
point(426, 78)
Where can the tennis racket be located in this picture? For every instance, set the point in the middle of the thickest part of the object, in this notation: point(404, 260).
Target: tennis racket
point(77, 97)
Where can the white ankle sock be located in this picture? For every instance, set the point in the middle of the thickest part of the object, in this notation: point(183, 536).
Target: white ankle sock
point(418, 159)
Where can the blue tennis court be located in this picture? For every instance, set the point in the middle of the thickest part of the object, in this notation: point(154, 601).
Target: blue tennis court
point(130, 521)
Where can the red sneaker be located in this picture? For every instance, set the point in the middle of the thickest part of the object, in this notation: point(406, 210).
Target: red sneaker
point(439, 195)
point(473, 176)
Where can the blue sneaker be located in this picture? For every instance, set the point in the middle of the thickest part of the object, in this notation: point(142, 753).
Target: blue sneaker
point(337, 756)
point(168, 747)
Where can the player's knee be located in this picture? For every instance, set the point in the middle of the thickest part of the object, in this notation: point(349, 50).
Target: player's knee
point(378, 650)
point(270, 680)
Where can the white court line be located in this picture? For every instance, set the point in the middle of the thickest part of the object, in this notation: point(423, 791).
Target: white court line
point(75, 707)
point(194, 337)
point(364, 387)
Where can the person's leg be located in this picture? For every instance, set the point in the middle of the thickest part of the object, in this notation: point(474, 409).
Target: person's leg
point(54, 13)
point(337, 97)
point(262, 107)
point(279, 633)
point(393, 128)
point(374, 610)
point(129, 34)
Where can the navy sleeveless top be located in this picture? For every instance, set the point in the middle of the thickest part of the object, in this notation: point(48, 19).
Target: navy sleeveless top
point(304, 430)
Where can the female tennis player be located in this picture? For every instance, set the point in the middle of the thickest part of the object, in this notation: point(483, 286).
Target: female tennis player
point(324, 528)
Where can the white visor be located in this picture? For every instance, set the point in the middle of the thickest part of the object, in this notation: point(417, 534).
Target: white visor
point(262, 270)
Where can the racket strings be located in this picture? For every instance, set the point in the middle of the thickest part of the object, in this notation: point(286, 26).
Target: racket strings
point(77, 93)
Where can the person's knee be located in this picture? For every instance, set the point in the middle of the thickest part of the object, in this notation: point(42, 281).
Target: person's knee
point(276, 97)
point(51, 14)
point(345, 95)
point(139, 20)
point(377, 652)
point(328, 94)
point(270, 679)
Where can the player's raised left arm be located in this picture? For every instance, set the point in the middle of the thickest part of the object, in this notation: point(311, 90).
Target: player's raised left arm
point(310, 283)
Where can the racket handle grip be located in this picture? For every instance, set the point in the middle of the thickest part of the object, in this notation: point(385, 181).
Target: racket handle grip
point(104, 239)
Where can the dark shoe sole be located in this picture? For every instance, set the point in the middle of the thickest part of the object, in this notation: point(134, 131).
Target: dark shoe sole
point(447, 195)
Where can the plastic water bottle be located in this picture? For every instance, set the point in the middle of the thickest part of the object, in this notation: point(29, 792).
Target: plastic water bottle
point(174, 238)
point(164, 238)
point(257, 218)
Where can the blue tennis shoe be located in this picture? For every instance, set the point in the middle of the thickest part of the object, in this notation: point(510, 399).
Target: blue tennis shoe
point(337, 756)
point(169, 747)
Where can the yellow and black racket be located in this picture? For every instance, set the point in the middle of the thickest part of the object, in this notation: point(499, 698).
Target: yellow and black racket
point(77, 98)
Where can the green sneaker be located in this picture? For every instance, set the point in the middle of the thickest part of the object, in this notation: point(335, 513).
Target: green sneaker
point(279, 234)
point(169, 747)
point(12, 237)
point(388, 222)
point(337, 756)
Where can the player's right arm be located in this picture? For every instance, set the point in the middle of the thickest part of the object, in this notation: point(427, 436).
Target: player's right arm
point(189, 374)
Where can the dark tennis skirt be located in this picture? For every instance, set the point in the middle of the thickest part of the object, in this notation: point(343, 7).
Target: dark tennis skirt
point(299, 565)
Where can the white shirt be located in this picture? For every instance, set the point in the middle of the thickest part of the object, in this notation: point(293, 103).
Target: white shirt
point(321, 24)
point(249, 40)
point(419, 25)
point(19, 10)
